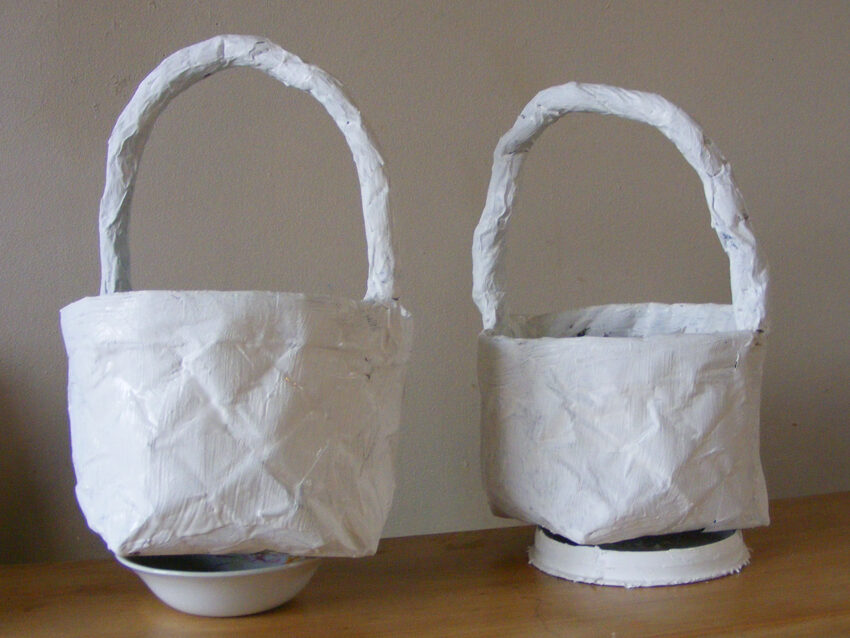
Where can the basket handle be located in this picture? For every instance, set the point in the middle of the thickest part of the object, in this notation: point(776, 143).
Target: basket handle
point(184, 68)
point(728, 215)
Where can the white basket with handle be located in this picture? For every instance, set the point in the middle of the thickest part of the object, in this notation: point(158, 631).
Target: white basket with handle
point(615, 422)
point(224, 422)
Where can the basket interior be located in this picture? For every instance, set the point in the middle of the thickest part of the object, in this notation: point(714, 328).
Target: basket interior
point(625, 320)
point(660, 543)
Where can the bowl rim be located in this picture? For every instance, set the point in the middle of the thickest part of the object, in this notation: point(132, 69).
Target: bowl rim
point(291, 563)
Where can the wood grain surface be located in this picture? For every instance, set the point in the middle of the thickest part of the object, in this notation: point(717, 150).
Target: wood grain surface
point(476, 584)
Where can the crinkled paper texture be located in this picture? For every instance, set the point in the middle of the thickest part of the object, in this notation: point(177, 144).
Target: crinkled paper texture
point(221, 422)
point(615, 422)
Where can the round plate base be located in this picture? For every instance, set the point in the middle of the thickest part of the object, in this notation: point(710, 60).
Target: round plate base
point(673, 559)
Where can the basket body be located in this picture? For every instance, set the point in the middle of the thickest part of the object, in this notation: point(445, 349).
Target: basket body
point(235, 421)
point(637, 427)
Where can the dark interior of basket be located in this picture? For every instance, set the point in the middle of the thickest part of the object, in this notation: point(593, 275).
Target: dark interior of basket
point(625, 320)
point(663, 542)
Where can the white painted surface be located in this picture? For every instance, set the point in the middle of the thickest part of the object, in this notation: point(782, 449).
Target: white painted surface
point(654, 568)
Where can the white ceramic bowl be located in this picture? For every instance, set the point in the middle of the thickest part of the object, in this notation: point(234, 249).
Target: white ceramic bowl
point(231, 585)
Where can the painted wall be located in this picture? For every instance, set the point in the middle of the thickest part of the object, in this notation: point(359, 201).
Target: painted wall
point(246, 185)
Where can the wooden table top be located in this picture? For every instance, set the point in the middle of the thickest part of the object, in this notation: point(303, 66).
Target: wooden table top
point(476, 584)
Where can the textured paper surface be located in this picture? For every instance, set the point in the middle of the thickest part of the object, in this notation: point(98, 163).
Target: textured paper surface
point(235, 421)
point(613, 422)
point(219, 422)
point(604, 439)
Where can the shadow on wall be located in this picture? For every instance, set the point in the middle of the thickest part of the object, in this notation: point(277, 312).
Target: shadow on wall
point(39, 517)
point(19, 499)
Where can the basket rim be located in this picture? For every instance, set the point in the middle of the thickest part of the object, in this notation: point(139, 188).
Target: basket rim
point(679, 318)
point(315, 298)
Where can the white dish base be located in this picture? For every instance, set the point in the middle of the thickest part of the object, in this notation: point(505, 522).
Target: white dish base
point(229, 585)
point(639, 565)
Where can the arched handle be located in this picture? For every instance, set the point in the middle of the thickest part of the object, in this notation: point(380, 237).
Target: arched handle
point(728, 216)
point(184, 68)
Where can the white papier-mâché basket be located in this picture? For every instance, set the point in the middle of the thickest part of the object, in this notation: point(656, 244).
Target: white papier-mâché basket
point(614, 422)
point(222, 422)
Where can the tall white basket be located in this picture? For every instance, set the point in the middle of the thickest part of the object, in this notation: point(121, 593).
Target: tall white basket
point(224, 422)
point(614, 422)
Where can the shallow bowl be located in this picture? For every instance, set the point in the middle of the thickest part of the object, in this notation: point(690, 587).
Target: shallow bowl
point(223, 585)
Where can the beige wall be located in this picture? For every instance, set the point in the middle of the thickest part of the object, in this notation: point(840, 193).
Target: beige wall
point(247, 185)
